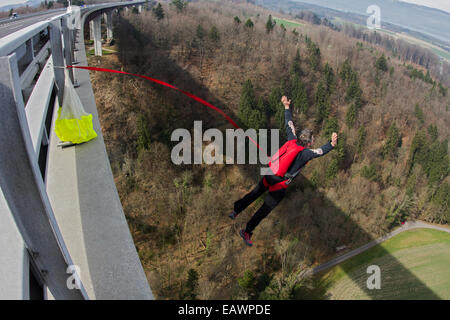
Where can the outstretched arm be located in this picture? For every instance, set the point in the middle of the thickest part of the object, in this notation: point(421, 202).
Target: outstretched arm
point(289, 124)
point(323, 150)
point(309, 154)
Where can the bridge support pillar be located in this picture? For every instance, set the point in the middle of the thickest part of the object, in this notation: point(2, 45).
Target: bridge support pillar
point(97, 36)
point(126, 9)
point(109, 28)
point(140, 8)
point(91, 29)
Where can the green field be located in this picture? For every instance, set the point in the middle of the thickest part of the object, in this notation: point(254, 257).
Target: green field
point(414, 265)
point(105, 52)
point(287, 24)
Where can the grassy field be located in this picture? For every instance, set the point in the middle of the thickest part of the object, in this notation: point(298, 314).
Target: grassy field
point(105, 52)
point(414, 265)
point(287, 23)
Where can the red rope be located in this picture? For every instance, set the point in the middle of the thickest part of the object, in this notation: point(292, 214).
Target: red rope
point(190, 95)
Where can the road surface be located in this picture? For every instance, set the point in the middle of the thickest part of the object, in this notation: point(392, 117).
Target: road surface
point(12, 26)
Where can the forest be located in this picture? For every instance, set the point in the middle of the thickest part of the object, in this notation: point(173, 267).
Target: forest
point(391, 163)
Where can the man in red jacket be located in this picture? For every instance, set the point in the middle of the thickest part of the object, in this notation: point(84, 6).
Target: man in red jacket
point(285, 164)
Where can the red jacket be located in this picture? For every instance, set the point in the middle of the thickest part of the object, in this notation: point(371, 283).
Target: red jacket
point(283, 158)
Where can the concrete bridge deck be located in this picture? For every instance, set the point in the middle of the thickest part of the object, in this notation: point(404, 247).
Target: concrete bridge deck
point(86, 204)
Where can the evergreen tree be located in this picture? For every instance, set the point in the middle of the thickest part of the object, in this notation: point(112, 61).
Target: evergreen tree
point(314, 55)
point(270, 24)
point(418, 151)
point(192, 284)
point(249, 24)
point(351, 115)
point(179, 5)
point(354, 91)
point(237, 20)
point(275, 100)
point(329, 78)
point(200, 32)
point(143, 140)
point(362, 134)
point(331, 125)
point(419, 114)
point(332, 170)
point(296, 70)
point(158, 12)
point(322, 102)
point(214, 34)
point(393, 141)
point(438, 162)
point(299, 96)
point(427, 78)
point(381, 64)
point(248, 284)
point(279, 118)
point(346, 71)
point(433, 132)
point(249, 112)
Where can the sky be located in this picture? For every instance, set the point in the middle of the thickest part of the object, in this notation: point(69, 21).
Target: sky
point(9, 2)
point(438, 4)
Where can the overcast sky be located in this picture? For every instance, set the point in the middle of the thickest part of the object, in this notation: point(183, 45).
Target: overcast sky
point(8, 2)
point(439, 4)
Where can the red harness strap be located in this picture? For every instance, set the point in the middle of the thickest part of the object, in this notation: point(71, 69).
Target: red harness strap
point(275, 187)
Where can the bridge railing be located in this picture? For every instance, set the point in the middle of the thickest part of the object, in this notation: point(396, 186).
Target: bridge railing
point(32, 62)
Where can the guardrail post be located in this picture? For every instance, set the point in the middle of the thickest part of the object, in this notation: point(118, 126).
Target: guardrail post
point(23, 188)
point(58, 57)
point(67, 47)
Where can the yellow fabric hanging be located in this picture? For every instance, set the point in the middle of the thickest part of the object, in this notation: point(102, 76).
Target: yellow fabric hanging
point(73, 123)
point(75, 130)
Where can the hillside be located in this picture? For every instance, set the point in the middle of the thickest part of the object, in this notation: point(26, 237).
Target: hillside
point(391, 163)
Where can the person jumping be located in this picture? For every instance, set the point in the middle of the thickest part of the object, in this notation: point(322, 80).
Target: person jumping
point(285, 165)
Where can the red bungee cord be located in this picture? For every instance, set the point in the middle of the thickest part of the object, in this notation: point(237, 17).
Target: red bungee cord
point(190, 95)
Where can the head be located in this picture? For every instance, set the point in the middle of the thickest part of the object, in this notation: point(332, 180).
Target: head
point(306, 138)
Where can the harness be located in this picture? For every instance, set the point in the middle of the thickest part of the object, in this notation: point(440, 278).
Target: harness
point(280, 163)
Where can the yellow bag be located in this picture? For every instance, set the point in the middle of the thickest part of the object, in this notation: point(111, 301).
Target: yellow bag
point(73, 123)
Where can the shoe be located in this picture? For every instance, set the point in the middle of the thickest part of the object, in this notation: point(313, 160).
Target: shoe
point(233, 215)
point(247, 237)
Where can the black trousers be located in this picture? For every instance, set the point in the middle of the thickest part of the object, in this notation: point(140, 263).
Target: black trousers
point(270, 202)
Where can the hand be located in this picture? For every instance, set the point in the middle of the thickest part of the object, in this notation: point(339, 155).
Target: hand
point(285, 102)
point(334, 138)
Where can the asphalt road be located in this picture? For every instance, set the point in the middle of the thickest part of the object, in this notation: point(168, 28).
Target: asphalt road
point(17, 24)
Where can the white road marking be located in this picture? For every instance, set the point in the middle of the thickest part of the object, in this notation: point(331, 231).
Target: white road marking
point(15, 27)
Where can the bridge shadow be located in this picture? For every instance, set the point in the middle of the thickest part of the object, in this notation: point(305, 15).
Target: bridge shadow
point(306, 214)
point(315, 227)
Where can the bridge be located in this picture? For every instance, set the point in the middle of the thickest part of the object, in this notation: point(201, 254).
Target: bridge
point(63, 232)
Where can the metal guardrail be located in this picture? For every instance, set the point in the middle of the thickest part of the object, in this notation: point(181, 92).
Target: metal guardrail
point(39, 51)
